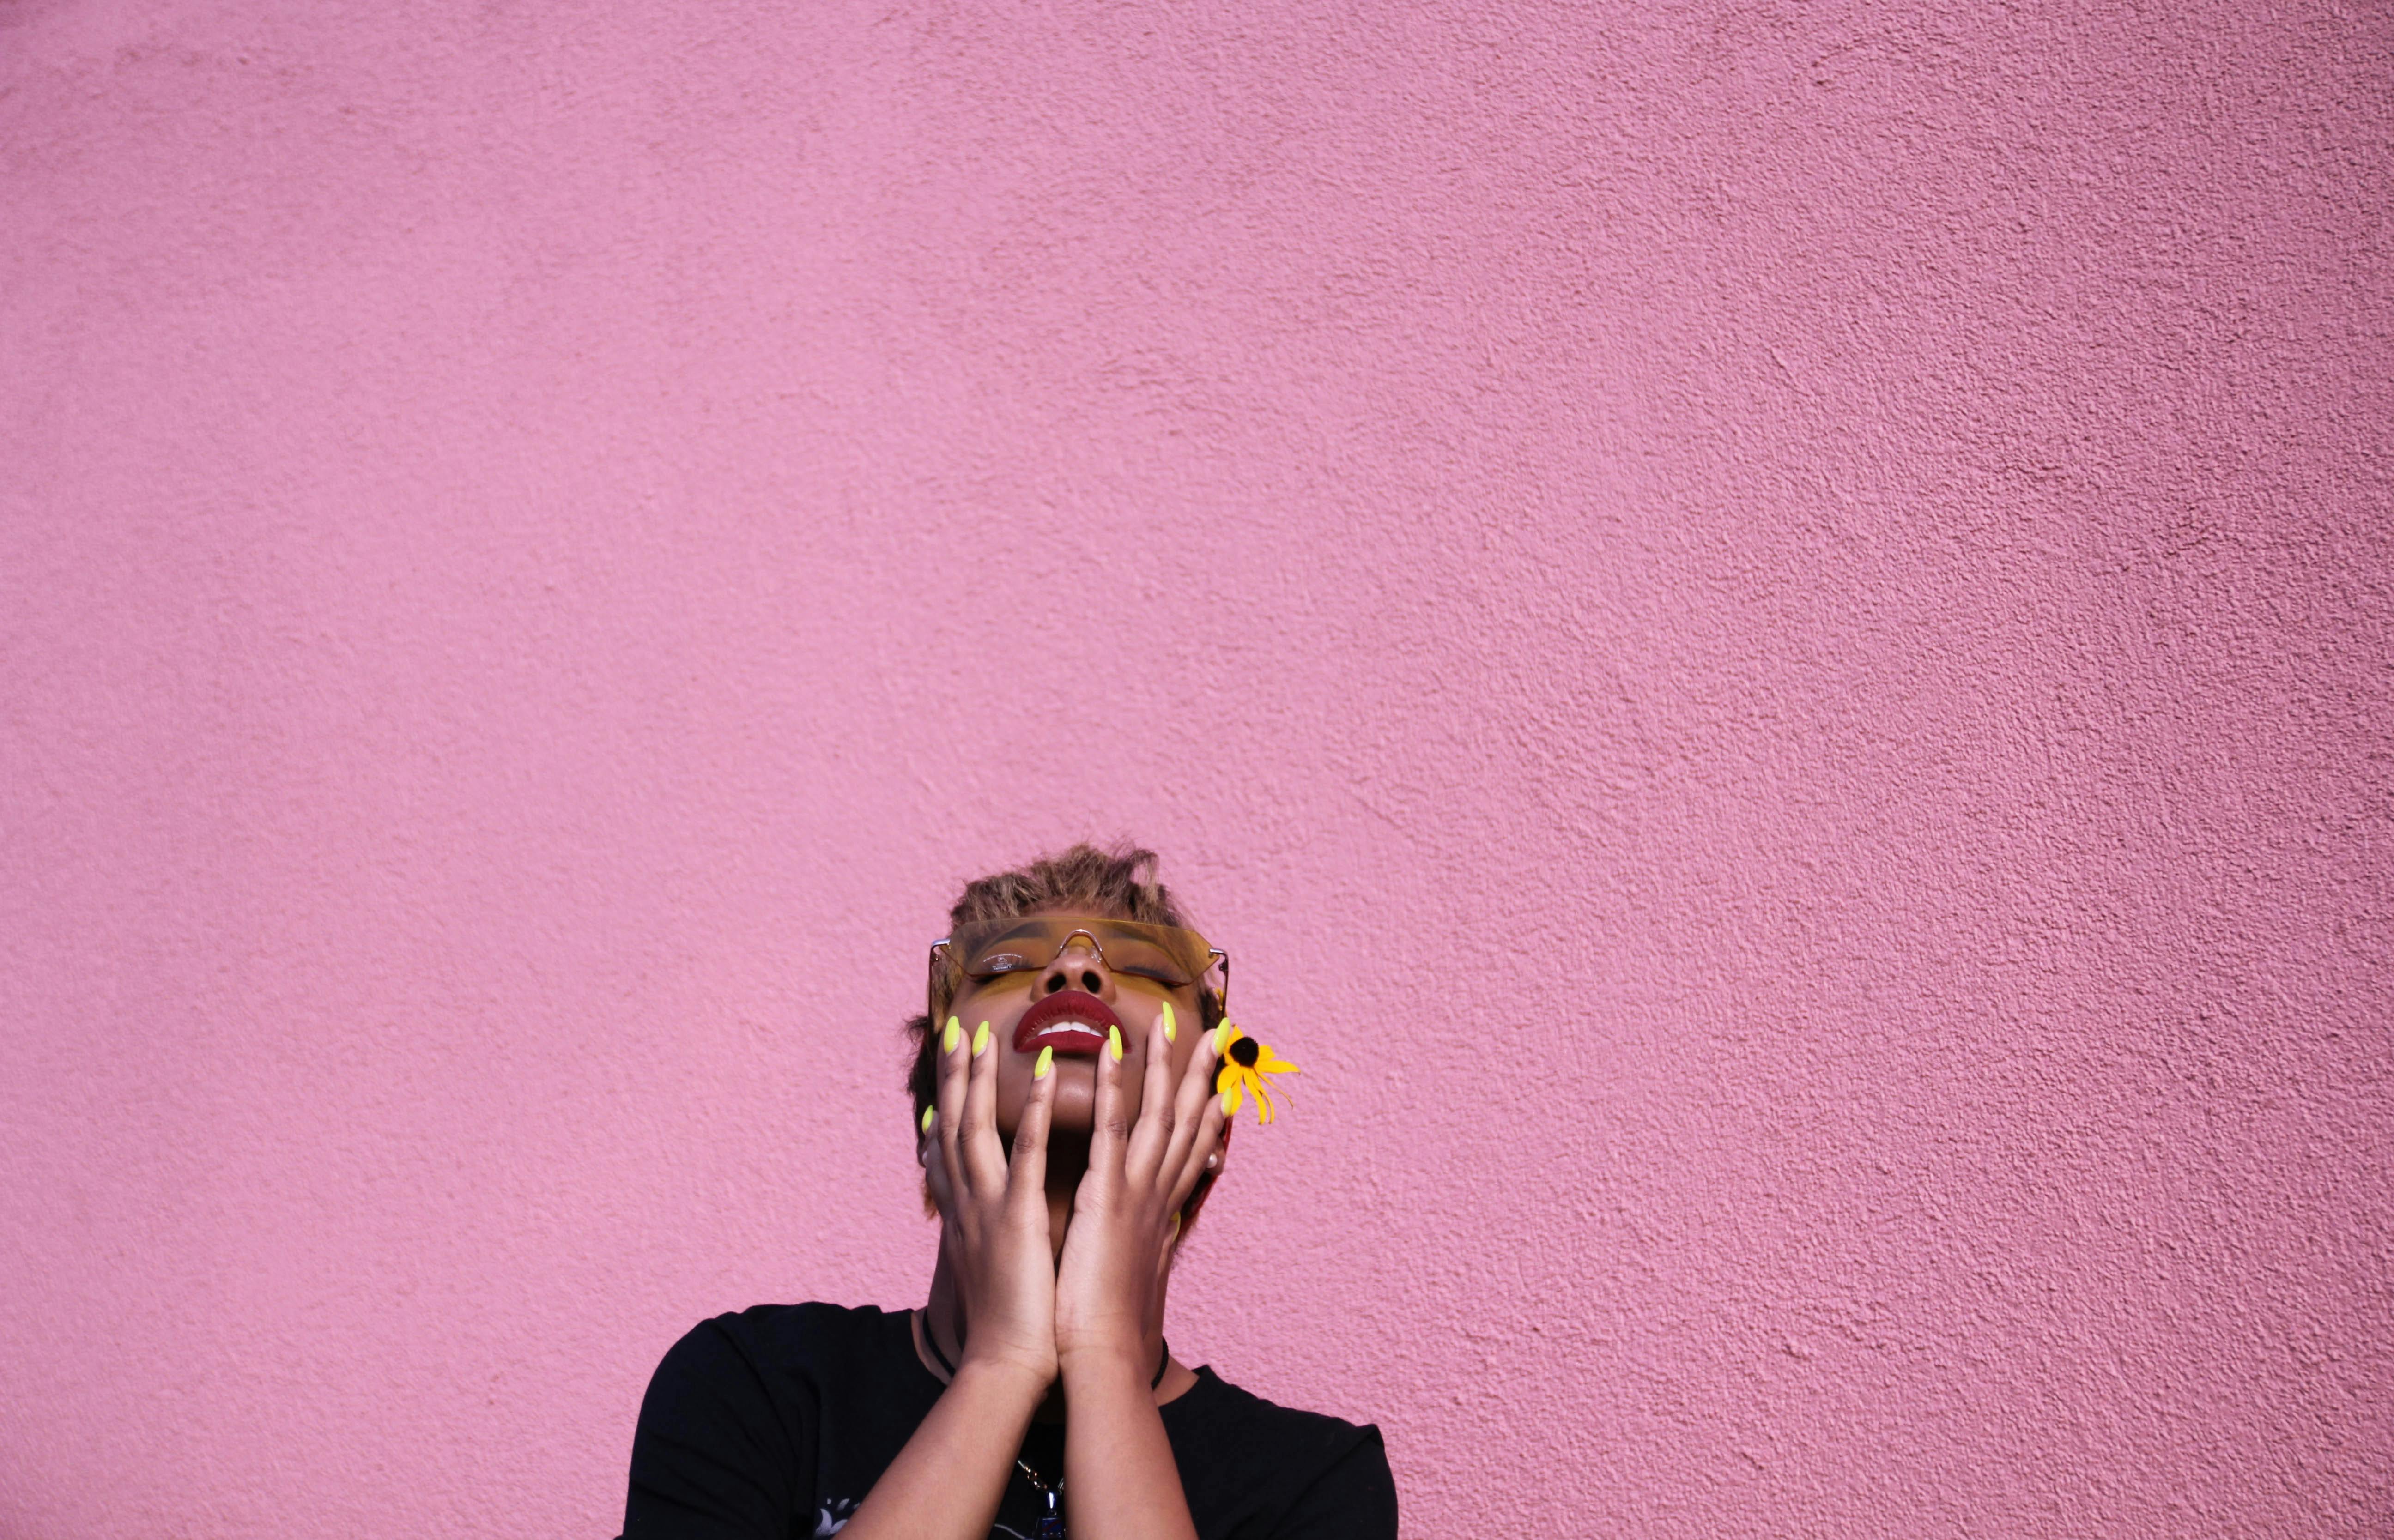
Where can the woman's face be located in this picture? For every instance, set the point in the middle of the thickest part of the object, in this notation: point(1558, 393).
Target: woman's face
point(1067, 1006)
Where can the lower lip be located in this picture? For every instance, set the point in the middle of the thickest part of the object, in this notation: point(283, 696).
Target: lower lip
point(1074, 1041)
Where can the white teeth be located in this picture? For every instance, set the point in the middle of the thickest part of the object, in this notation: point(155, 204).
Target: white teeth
point(1053, 1028)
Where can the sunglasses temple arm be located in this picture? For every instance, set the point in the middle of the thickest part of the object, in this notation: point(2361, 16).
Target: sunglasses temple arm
point(931, 978)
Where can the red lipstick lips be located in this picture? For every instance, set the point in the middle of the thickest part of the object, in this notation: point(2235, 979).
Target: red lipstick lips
point(1069, 1021)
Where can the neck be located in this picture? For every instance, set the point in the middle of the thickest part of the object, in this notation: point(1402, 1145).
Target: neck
point(1068, 1162)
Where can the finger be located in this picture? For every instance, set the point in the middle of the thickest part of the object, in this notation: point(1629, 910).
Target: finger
point(1027, 1180)
point(1208, 1139)
point(984, 1153)
point(948, 1116)
point(1109, 1127)
point(1152, 1134)
point(1189, 1110)
point(935, 1176)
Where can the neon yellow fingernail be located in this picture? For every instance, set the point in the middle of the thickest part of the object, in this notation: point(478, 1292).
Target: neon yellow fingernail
point(981, 1039)
point(1047, 1061)
point(1114, 1042)
point(948, 1038)
point(928, 1113)
point(1170, 1033)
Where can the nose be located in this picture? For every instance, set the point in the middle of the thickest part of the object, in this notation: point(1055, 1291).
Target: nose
point(1078, 966)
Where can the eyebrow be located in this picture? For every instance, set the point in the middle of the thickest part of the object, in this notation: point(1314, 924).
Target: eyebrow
point(1095, 924)
point(1025, 927)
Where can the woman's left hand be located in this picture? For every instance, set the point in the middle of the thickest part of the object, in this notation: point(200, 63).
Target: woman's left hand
point(1126, 1213)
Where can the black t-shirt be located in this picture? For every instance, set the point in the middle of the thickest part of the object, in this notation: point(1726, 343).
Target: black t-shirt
point(774, 1423)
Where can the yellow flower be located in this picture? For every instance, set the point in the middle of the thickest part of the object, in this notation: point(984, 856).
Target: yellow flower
point(1245, 1062)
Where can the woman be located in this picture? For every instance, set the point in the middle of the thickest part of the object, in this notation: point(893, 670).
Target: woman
point(1069, 1128)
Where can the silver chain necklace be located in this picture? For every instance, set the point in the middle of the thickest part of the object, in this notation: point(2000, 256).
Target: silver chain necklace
point(1051, 1523)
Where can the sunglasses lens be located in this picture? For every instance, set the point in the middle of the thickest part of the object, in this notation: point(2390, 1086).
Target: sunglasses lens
point(1167, 955)
point(1150, 952)
point(1011, 957)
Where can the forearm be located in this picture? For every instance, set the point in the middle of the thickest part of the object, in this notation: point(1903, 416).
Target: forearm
point(1119, 1480)
point(945, 1484)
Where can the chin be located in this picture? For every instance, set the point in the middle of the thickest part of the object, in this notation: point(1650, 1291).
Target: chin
point(1077, 1116)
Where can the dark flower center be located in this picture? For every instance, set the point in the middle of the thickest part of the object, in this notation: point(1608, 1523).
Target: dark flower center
point(1243, 1053)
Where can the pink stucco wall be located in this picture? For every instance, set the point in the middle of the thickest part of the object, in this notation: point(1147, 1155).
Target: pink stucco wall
point(1766, 627)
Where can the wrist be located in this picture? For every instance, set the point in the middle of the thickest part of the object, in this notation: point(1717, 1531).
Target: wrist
point(999, 1376)
point(1130, 1359)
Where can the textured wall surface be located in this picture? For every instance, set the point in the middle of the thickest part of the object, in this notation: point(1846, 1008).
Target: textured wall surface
point(1766, 628)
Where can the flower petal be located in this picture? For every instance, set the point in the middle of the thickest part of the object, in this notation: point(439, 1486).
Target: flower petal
point(1231, 1098)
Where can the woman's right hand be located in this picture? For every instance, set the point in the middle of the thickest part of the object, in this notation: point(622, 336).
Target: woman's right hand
point(993, 1211)
point(949, 1480)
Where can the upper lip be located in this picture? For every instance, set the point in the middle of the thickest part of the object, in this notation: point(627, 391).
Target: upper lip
point(1052, 1016)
